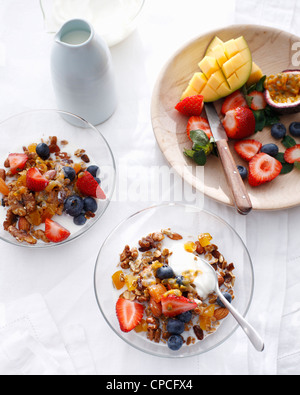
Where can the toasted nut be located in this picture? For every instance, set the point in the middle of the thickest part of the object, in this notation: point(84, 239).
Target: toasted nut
point(221, 313)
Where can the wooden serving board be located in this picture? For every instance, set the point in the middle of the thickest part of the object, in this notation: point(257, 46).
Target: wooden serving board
point(272, 51)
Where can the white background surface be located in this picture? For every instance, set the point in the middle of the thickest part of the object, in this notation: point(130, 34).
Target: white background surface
point(64, 276)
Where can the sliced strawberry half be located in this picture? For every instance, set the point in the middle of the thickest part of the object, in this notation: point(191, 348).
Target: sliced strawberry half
point(190, 106)
point(88, 186)
point(292, 155)
point(247, 149)
point(263, 168)
point(173, 305)
point(55, 232)
point(239, 123)
point(258, 101)
point(234, 101)
point(17, 162)
point(130, 314)
point(35, 181)
point(198, 123)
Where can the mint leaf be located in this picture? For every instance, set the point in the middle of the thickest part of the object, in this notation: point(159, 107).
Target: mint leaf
point(200, 158)
point(260, 120)
point(199, 138)
point(289, 142)
point(189, 153)
point(297, 165)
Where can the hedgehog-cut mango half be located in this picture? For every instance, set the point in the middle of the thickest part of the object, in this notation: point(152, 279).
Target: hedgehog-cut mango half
point(225, 68)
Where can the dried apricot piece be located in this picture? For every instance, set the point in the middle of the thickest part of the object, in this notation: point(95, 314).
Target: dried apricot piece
point(205, 239)
point(142, 327)
point(209, 311)
point(118, 280)
point(190, 247)
point(205, 323)
point(131, 282)
point(3, 188)
point(157, 291)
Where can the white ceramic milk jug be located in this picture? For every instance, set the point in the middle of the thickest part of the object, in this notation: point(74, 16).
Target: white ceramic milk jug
point(82, 73)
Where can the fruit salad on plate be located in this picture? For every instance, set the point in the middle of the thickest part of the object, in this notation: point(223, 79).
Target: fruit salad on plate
point(248, 101)
point(44, 185)
point(167, 290)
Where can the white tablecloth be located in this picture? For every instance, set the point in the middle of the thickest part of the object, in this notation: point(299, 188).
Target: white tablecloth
point(63, 277)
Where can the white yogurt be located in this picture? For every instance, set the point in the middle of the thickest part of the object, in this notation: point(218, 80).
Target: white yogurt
point(183, 262)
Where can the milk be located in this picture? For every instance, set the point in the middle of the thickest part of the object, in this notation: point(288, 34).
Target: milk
point(76, 37)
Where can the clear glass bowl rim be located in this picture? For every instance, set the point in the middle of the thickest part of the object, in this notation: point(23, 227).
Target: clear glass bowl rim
point(93, 223)
point(199, 210)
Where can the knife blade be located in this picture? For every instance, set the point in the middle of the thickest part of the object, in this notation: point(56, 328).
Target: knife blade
point(240, 194)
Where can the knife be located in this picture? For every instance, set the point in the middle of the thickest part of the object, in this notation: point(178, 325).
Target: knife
point(241, 198)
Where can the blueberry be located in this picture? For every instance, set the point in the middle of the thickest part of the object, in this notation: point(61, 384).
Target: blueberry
point(185, 317)
point(80, 220)
point(74, 205)
point(90, 204)
point(165, 272)
point(94, 170)
point(175, 327)
point(98, 180)
point(175, 342)
point(278, 131)
point(43, 151)
point(270, 149)
point(295, 129)
point(243, 172)
point(69, 173)
point(226, 296)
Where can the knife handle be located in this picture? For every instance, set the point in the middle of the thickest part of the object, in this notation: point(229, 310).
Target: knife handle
point(238, 188)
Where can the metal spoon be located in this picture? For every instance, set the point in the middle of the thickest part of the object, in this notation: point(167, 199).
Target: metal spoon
point(253, 336)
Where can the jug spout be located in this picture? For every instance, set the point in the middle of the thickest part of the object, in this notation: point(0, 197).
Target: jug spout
point(74, 33)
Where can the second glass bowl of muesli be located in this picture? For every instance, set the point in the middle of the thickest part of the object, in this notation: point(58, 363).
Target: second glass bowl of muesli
point(57, 177)
point(156, 293)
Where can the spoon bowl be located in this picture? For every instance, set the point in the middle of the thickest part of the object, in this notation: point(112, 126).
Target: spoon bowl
point(252, 334)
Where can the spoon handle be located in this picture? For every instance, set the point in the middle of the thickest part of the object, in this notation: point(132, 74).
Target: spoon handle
point(253, 336)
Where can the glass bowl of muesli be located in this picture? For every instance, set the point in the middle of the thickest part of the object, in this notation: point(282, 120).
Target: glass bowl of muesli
point(156, 293)
point(57, 177)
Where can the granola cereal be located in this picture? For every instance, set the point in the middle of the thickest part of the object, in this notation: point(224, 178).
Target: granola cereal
point(45, 182)
point(167, 292)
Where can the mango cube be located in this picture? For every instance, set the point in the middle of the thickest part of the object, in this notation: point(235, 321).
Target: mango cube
point(231, 48)
point(198, 82)
point(209, 66)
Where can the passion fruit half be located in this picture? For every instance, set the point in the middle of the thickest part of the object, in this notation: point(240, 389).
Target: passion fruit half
point(283, 92)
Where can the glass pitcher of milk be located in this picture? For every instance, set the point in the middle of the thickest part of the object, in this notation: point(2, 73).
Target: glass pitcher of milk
point(114, 20)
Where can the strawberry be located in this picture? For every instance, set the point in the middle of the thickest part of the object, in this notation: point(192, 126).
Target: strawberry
point(263, 168)
point(88, 186)
point(190, 106)
point(130, 314)
point(35, 181)
point(17, 162)
point(258, 101)
point(292, 155)
point(55, 232)
point(234, 101)
point(239, 123)
point(198, 123)
point(173, 305)
point(247, 149)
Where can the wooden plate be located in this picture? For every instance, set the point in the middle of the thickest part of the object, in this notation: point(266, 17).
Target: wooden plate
point(272, 51)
